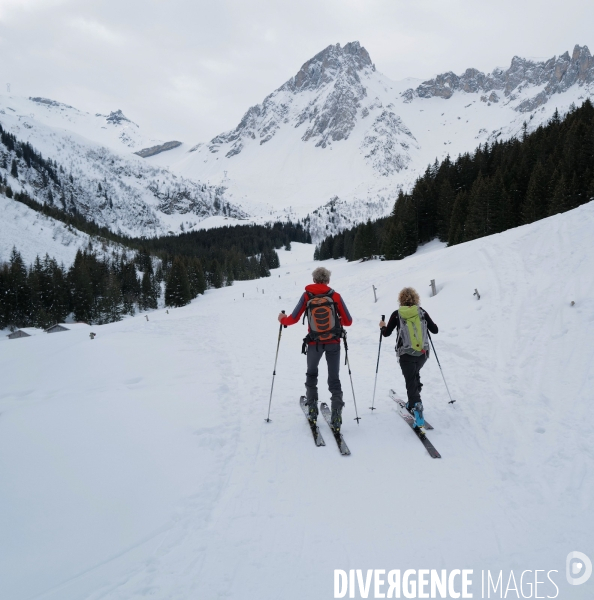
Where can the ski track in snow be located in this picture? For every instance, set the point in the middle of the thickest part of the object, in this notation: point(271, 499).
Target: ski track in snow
point(139, 464)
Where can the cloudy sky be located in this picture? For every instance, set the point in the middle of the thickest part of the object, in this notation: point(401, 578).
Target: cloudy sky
point(189, 69)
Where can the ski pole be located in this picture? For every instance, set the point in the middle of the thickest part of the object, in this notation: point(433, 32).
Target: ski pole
point(377, 365)
point(280, 331)
point(444, 380)
point(346, 362)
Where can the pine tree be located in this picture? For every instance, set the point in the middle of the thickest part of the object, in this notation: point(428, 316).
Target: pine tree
point(19, 301)
point(14, 171)
point(537, 195)
point(457, 222)
point(272, 259)
point(559, 200)
point(4, 294)
point(264, 270)
point(338, 246)
point(479, 219)
point(444, 209)
point(148, 297)
point(196, 277)
point(130, 285)
point(82, 290)
point(365, 241)
point(395, 246)
point(60, 300)
point(590, 193)
point(501, 208)
point(111, 305)
point(177, 289)
point(349, 241)
point(216, 275)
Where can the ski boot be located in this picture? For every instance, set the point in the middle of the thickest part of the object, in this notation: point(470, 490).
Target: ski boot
point(312, 413)
point(336, 419)
point(336, 416)
point(419, 421)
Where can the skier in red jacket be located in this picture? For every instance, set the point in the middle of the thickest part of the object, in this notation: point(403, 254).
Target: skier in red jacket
point(319, 294)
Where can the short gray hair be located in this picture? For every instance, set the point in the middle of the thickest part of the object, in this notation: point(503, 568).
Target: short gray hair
point(321, 275)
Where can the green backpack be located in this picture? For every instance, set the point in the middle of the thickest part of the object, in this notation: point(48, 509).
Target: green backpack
point(412, 332)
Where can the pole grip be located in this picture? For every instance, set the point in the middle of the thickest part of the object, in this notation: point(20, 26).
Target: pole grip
point(383, 317)
point(284, 313)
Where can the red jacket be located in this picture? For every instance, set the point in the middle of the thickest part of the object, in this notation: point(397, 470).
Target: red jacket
point(319, 288)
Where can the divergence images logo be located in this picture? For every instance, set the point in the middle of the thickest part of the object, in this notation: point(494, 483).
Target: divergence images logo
point(578, 564)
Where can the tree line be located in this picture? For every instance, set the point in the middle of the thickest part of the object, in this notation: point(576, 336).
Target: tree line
point(100, 289)
point(94, 289)
point(499, 186)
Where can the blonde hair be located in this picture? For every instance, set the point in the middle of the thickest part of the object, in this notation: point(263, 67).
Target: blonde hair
point(321, 275)
point(408, 297)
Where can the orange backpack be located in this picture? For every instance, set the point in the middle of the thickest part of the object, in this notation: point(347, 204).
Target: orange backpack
point(322, 318)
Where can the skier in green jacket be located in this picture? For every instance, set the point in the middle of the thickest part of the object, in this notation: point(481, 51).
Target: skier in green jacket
point(412, 346)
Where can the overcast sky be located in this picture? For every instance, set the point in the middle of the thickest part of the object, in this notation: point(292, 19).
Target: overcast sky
point(189, 69)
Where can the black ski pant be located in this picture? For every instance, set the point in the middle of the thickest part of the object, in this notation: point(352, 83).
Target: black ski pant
point(314, 355)
point(411, 369)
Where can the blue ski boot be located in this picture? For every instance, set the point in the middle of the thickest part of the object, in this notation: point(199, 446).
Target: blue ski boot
point(417, 413)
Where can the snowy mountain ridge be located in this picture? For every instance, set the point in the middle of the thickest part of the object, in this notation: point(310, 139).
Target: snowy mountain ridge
point(334, 144)
point(557, 75)
point(340, 129)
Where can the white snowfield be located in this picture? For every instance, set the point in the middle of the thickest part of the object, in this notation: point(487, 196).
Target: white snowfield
point(138, 464)
point(35, 234)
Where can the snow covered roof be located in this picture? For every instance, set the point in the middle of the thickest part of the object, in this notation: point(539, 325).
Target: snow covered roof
point(24, 332)
point(66, 327)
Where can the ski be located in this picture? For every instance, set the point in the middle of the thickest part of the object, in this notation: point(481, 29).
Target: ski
point(402, 404)
point(315, 430)
point(344, 449)
point(408, 418)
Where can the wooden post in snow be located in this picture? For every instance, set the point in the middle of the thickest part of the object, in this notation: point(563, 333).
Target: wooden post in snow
point(374, 292)
point(433, 289)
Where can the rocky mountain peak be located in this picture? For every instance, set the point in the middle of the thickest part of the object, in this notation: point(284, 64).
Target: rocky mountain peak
point(556, 75)
point(117, 117)
point(325, 66)
point(325, 96)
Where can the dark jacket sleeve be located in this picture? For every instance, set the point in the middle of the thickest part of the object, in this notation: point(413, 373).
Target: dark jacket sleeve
point(393, 323)
point(431, 326)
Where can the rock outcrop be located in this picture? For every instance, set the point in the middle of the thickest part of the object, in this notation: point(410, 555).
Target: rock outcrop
point(153, 150)
point(557, 75)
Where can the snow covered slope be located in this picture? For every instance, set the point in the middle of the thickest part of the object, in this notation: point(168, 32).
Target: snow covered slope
point(139, 464)
point(341, 130)
point(106, 184)
point(113, 130)
point(34, 234)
